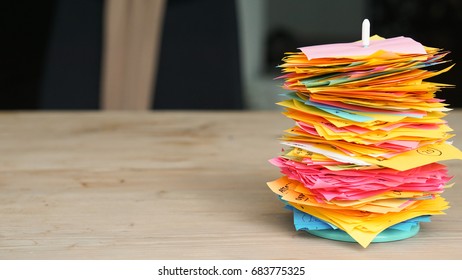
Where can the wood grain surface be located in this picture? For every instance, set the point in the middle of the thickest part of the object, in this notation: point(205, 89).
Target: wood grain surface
point(170, 185)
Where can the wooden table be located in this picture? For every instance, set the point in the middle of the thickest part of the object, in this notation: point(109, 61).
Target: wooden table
point(170, 185)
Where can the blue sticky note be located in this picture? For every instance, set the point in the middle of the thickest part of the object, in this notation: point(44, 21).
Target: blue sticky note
point(407, 225)
point(342, 113)
point(304, 221)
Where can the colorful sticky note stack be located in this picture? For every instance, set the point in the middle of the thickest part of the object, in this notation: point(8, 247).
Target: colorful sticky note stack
point(361, 162)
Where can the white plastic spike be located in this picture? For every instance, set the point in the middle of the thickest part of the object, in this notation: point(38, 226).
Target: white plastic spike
point(366, 32)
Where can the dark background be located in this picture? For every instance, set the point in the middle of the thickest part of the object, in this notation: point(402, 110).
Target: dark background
point(51, 50)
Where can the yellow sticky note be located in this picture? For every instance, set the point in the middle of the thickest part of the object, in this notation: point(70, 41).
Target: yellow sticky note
point(421, 156)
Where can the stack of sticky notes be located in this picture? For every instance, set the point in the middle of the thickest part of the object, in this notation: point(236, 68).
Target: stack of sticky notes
point(361, 162)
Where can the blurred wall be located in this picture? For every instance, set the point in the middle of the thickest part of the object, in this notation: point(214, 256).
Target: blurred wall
point(52, 48)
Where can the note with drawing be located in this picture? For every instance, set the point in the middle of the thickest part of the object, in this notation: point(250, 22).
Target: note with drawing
point(364, 160)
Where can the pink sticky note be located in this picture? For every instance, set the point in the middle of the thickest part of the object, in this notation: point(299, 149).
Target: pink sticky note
point(402, 45)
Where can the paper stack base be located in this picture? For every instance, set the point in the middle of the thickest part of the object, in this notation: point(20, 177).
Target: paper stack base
point(387, 235)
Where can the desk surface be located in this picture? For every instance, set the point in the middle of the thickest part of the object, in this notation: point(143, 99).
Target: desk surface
point(170, 185)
